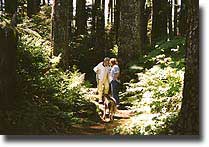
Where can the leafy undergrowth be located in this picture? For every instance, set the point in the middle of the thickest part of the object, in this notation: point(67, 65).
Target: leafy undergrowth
point(51, 101)
point(155, 95)
point(48, 99)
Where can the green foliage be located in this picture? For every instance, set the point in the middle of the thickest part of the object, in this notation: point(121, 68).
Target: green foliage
point(4, 20)
point(40, 24)
point(167, 53)
point(149, 124)
point(156, 99)
point(156, 94)
point(114, 51)
point(48, 99)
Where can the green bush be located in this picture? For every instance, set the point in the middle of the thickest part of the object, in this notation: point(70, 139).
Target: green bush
point(49, 100)
point(156, 94)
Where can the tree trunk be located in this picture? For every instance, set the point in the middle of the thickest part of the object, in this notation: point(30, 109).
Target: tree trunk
point(8, 41)
point(100, 29)
point(33, 7)
point(61, 25)
point(130, 39)
point(142, 27)
point(93, 17)
point(183, 17)
point(159, 20)
point(175, 17)
point(188, 122)
point(10, 6)
point(112, 9)
point(109, 15)
point(170, 21)
point(117, 19)
point(81, 17)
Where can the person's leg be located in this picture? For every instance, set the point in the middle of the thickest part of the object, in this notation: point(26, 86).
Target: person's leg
point(117, 92)
point(100, 90)
point(114, 91)
point(97, 80)
point(106, 87)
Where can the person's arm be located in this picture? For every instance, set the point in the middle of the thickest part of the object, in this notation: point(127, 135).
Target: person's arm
point(95, 69)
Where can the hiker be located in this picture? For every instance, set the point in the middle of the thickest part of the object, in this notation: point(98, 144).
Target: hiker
point(114, 79)
point(102, 77)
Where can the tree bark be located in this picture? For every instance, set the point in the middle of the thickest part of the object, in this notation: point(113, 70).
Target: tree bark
point(100, 29)
point(170, 21)
point(130, 32)
point(93, 17)
point(33, 7)
point(61, 25)
point(117, 19)
point(8, 41)
point(183, 18)
point(188, 122)
point(10, 6)
point(175, 17)
point(109, 15)
point(142, 27)
point(81, 17)
point(159, 21)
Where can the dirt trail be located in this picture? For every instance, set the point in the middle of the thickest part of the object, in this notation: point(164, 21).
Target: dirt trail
point(103, 128)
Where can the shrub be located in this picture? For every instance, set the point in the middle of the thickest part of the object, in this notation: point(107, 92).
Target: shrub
point(156, 94)
point(49, 100)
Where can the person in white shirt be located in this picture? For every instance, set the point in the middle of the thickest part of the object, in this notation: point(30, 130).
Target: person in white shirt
point(102, 76)
point(114, 79)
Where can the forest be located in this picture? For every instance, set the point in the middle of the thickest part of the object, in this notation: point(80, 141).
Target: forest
point(48, 49)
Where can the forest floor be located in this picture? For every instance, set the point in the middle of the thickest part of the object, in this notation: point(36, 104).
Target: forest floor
point(122, 117)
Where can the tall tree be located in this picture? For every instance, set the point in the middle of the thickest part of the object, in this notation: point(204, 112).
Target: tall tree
point(170, 21)
point(146, 17)
point(117, 19)
point(188, 122)
point(183, 18)
point(130, 39)
point(94, 8)
point(61, 25)
point(111, 11)
point(33, 7)
point(8, 41)
point(159, 20)
point(81, 17)
point(175, 17)
point(142, 27)
point(10, 6)
point(100, 28)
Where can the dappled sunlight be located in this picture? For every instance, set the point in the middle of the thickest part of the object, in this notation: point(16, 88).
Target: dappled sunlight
point(77, 80)
point(136, 67)
point(156, 99)
point(99, 67)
